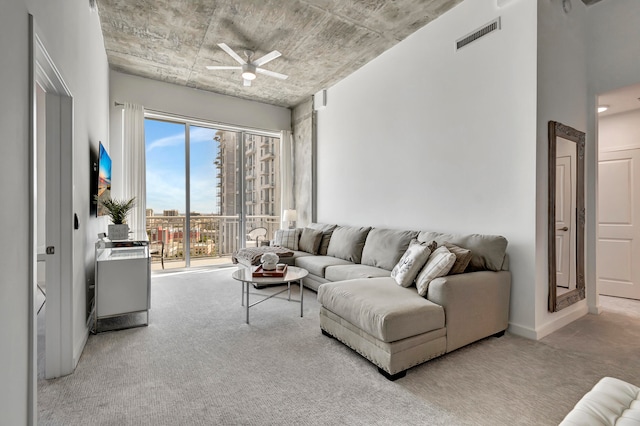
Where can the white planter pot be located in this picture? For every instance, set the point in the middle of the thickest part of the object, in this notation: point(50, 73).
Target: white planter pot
point(119, 232)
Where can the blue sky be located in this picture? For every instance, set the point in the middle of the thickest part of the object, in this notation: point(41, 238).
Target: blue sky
point(165, 152)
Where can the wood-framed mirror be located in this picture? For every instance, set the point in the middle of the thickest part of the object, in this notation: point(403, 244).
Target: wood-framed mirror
point(566, 216)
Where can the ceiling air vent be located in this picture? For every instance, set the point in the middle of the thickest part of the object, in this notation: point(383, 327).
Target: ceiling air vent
point(479, 33)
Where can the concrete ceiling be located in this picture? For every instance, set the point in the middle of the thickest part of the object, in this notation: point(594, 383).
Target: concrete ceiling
point(321, 41)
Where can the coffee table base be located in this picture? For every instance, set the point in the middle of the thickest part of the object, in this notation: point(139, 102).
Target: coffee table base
point(293, 275)
point(247, 305)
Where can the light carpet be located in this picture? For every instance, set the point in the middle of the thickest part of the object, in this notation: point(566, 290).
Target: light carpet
point(198, 363)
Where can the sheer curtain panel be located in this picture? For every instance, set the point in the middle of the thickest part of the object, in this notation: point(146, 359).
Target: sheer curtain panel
point(134, 169)
point(286, 175)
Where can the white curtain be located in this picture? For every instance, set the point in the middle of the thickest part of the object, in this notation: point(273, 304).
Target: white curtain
point(286, 175)
point(134, 167)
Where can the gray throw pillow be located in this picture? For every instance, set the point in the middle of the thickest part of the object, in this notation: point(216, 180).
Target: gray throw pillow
point(287, 238)
point(327, 231)
point(347, 243)
point(310, 240)
point(463, 257)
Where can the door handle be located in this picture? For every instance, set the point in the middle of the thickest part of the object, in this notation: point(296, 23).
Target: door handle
point(563, 229)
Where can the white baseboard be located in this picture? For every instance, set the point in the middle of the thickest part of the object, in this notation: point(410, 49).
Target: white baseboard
point(77, 351)
point(562, 320)
point(522, 331)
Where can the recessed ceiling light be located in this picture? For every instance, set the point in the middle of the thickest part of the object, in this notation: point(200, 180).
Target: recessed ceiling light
point(603, 108)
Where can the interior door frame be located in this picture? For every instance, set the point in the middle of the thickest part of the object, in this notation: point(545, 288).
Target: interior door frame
point(59, 358)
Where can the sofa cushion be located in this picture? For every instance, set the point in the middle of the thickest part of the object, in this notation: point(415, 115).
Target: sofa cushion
point(487, 251)
point(291, 260)
point(463, 257)
point(348, 272)
point(327, 231)
point(438, 265)
point(410, 264)
point(310, 240)
point(381, 308)
point(347, 243)
point(384, 247)
point(316, 265)
point(287, 238)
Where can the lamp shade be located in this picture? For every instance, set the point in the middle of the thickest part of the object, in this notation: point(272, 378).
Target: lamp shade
point(290, 215)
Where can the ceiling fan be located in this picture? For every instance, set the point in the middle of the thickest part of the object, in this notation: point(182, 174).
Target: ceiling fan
point(249, 67)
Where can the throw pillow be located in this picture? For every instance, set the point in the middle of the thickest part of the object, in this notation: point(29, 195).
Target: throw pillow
point(463, 257)
point(438, 265)
point(310, 240)
point(347, 243)
point(327, 231)
point(287, 238)
point(410, 263)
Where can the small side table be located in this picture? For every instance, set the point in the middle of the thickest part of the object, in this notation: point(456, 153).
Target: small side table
point(293, 275)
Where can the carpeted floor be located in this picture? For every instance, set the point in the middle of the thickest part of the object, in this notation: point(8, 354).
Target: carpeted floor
point(198, 363)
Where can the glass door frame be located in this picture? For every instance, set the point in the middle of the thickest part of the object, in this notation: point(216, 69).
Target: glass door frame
point(241, 131)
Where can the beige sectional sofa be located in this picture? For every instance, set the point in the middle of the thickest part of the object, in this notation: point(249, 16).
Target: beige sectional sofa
point(364, 307)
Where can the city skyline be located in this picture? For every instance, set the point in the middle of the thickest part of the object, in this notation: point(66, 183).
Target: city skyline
point(165, 158)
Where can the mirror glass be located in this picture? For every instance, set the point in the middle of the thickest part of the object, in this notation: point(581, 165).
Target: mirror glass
point(566, 216)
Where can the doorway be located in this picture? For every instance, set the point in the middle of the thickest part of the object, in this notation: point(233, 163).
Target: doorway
point(618, 250)
point(52, 242)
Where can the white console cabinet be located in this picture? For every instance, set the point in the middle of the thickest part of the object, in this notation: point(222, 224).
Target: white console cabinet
point(122, 279)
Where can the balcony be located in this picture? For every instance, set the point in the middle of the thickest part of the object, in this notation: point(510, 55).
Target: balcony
point(250, 176)
point(212, 238)
point(267, 156)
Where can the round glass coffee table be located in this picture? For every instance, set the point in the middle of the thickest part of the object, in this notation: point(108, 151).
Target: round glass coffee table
point(293, 275)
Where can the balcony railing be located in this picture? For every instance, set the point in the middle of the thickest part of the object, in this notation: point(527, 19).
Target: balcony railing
point(210, 236)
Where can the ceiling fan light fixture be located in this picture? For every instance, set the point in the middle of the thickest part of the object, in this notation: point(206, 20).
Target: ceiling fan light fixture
point(249, 72)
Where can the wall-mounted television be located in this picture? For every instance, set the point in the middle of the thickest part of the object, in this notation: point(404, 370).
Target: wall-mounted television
point(104, 178)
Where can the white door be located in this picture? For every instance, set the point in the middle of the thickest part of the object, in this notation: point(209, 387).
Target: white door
point(566, 172)
point(618, 230)
point(563, 221)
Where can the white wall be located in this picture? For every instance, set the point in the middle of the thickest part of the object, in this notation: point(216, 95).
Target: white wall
point(619, 131)
point(71, 35)
point(424, 137)
point(14, 286)
point(186, 102)
point(562, 96)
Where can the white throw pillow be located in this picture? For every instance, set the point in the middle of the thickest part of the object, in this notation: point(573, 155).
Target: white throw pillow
point(438, 265)
point(410, 263)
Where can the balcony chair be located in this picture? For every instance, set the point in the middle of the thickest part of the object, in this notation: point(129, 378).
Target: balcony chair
point(254, 236)
point(155, 253)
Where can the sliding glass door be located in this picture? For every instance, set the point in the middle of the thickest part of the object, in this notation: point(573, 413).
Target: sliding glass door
point(229, 194)
point(165, 144)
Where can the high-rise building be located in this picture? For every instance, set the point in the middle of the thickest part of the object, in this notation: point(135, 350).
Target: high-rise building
point(261, 159)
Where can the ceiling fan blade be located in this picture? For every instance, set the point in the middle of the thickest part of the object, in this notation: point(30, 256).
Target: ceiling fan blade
point(231, 53)
point(266, 58)
point(222, 67)
point(246, 83)
point(272, 73)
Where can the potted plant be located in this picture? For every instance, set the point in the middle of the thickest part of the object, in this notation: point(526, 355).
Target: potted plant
point(117, 210)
